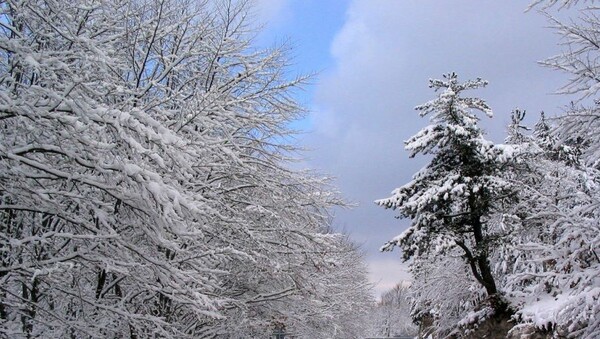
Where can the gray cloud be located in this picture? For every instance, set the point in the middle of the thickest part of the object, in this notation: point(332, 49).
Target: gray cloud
point(384, 55)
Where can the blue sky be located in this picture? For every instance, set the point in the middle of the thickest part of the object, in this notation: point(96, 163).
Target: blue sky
point(309, 27)
point(374, 59)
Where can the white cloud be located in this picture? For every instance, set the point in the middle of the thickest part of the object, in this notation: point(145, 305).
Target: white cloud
point(272, 12)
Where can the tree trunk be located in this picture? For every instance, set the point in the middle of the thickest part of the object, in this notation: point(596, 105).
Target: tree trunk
point(481, 254)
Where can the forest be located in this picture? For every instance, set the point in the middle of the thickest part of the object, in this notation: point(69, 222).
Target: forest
point(148, 190)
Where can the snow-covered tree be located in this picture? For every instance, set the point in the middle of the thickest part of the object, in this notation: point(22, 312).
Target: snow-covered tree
point(581, 39)
point(452, 203)
point(551, 263)
point(391, 316)
point(336, 304)
point(548, 261)
point(144, 186)
point(545, 4)
point(443, 292)
point(450, 200)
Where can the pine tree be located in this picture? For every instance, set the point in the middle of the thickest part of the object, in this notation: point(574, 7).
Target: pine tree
point(451, 200)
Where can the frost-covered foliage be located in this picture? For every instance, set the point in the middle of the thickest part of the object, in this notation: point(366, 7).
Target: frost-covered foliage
point(549, 260)
point(553, 270)
point(444, 291)
point(580, 60)
point(545, 4)
point(333, 299)
point(580, 56)
point(143, 182)
point(391, 316)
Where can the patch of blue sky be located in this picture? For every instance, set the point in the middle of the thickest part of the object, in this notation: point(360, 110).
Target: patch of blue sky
point(308, 27)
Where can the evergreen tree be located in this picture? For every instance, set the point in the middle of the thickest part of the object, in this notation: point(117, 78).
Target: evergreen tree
point(451, 201)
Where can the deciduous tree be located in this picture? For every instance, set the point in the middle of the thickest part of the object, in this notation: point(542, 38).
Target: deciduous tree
point(144, 180)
